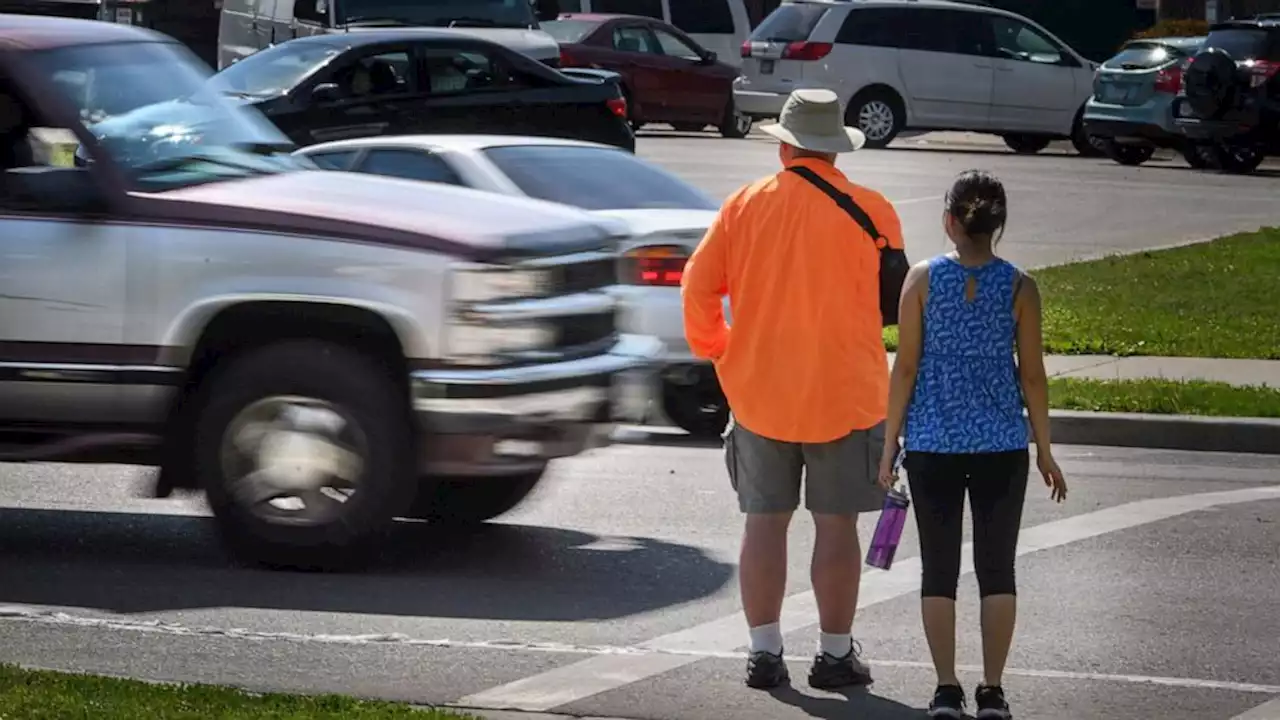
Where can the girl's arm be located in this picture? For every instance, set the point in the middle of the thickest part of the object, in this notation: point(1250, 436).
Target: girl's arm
point(1031, 372)
point(910, 341)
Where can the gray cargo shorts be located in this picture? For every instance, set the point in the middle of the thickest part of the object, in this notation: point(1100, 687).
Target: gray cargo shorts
point(839, 476)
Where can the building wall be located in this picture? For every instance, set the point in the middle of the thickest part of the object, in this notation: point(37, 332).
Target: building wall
point(1194, 9)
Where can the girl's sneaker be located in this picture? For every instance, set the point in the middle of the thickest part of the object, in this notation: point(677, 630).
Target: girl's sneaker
point(991, 703)
point(948, 702)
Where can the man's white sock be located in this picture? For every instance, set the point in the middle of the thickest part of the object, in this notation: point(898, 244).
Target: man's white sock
point(767, 638)
point(835, 645)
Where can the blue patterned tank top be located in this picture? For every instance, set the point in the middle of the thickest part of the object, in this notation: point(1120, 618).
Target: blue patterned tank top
point(967, 396)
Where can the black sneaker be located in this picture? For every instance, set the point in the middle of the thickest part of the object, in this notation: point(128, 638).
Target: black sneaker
point(991, 703)
point(948, 702)
point(830, 672)
point(766, 670)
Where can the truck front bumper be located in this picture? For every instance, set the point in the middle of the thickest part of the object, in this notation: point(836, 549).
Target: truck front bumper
point(501, 421)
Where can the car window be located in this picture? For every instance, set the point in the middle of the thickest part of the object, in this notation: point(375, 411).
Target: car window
point(595, 178)
point(275, 69)
point(408, 164)
point(702, 16)
point(790, 23)
point(948, 31)
point(1019, 41)
point(312, 11)
point(334, 159)
point(643, 8)
point(877, 27)
point(1143, 56)
point(674, 46)
point(371, 76)
point(1244, 43)
point(453, 70)
point(569, 31)
point(635, 39)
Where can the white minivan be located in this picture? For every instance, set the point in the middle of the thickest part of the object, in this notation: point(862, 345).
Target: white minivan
point(720, 26)
point(921, 65)
point(247, 26)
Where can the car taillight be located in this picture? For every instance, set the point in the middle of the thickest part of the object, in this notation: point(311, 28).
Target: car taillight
point(566, 58)
point(745, 50)
point(657, 265)
point(617, 106)
point(806, 51)
point(1261, 71)
point(1169, 80)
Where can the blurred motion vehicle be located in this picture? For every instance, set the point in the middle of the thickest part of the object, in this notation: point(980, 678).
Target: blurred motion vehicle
point(921, 65)
point(391, 82)
point(318, 352)
point(666, 218)
point(1132, 104)
point(667, 77)
point(718, 25)
point(247, 26)
point(1230, 97)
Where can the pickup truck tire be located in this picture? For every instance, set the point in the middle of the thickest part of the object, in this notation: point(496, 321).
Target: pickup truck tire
point(473, 500)
point(1026, 144)
point(252, 413)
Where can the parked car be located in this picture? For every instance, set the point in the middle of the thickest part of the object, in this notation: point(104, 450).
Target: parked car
point(666, 219)
point(718, 25)
point(1230, 96)
point(319, 353)
point(921, 65)
point(667, 77)
point(395, 81)
point(247, 26)
point(1132, 104)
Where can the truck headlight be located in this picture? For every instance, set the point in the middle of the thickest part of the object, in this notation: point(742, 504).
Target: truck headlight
point(476, 283)
point(472, 342)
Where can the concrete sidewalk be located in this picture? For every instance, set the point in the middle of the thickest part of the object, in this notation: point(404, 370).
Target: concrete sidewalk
point(1109, 367)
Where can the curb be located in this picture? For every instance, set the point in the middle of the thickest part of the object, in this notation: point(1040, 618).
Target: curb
point(1166, 432)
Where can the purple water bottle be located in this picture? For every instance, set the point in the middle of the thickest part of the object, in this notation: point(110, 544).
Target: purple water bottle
point(884, 542)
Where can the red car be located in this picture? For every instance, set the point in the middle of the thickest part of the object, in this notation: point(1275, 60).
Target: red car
point(666, 76)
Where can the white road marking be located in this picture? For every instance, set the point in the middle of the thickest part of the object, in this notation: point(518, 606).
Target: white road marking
point(573, 682)
point(1266, 711)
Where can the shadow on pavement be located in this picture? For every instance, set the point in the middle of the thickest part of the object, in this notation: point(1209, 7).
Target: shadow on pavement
point(134, 562)
point(856, 703)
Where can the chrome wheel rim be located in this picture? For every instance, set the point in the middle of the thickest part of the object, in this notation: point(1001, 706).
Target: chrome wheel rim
point(742, 123)
point(875, 120)
point(293, 460)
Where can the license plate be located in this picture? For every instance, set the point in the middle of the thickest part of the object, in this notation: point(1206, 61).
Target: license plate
point(1115, 93)
point(766, 67)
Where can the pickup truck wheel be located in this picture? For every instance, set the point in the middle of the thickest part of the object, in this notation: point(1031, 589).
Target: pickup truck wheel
point(1026, 144)
point(472, 500)
point(700, 410)
point(1239, 159)
point(305, 452)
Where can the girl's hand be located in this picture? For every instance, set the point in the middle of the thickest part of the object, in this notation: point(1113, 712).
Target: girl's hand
point(887, 477)
point(1052, 476)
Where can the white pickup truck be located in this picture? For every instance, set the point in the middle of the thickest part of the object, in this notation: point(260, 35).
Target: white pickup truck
point(318, 352)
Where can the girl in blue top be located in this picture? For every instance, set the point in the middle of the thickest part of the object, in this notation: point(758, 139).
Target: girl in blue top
point(961, 396)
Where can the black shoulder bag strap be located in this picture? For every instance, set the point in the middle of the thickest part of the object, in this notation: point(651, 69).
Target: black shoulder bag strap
point(893, 261)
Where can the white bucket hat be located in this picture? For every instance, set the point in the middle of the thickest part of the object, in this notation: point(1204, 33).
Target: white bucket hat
point(812, 120)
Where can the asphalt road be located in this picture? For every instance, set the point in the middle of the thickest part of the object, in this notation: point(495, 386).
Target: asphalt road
point(1062, 207)
point(1152, 592)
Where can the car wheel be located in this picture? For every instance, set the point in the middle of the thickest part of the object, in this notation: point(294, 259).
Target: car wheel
point(735, 125)
point(1026, 144)
point(879, 115)
point(1239, 159)
point(1085, 144)
point(700, 409)
point(473, 500)
point(1129, 154)
point(306, 454)
point(1200, 156)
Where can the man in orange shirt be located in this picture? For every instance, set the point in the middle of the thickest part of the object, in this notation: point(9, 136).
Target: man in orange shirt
point(804, 370)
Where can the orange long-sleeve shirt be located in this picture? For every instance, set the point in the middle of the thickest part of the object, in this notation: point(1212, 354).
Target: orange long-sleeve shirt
point(804, 360)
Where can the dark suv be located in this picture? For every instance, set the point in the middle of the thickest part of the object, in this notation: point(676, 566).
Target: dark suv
point(1230, 97)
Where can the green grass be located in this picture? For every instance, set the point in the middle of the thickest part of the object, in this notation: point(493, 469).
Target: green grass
point(1165, 397)
point(1215, 299)
point(41, 695)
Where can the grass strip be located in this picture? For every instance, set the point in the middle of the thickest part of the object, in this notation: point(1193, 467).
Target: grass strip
point(1213, 299)
point(1165, 397)
point(44, 695)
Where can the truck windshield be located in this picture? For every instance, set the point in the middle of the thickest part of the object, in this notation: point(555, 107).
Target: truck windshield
point(438, 13)
point(152, 109)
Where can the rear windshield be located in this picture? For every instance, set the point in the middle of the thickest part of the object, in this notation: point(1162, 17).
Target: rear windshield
point(1143, 56)
point(569, 31)
point(791, 22)
point(1244, 43)
point(595, 178)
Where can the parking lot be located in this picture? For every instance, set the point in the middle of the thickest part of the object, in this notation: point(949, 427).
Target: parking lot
point(611, 593)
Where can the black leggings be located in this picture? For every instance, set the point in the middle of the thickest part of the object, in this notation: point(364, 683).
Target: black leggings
point(997, 485)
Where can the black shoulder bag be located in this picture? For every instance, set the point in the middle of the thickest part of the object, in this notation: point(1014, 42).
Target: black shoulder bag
point(893, 261)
